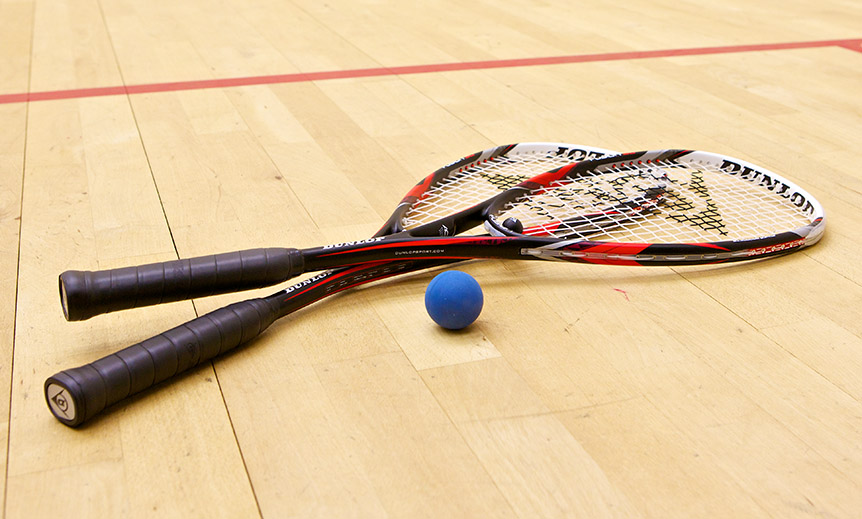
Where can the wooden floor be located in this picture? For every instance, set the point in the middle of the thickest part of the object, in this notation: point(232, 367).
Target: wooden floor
point(582, 391)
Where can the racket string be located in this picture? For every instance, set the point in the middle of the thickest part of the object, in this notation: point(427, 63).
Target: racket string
point(655, 202)
point(479, 181)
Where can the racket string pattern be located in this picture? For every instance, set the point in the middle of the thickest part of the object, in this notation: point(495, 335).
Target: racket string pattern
point(480, 181)
point(590, 203)
point(658, 202)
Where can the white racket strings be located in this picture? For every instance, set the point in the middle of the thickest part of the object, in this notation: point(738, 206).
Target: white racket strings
point(658, 202)
point(480, 181)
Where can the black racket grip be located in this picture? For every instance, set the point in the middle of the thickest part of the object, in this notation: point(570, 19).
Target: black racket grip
point(86, 294)
point(76, 395)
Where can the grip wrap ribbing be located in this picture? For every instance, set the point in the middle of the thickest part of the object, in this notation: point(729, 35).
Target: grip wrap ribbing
point(76, 395)
point(86, 294)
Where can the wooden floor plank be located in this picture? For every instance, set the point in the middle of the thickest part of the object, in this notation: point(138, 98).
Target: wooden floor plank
point(581, 390)
point(72, 203)
point(11, 179)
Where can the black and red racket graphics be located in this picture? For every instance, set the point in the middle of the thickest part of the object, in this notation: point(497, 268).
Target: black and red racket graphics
point(78, 394)
point(668, 207)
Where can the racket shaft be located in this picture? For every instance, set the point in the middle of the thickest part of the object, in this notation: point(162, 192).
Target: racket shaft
point(86, 294)
point(331, 282)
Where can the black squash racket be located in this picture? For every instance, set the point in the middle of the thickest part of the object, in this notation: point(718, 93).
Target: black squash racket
point(449, 190)
point(668, 207)
point(76, 395)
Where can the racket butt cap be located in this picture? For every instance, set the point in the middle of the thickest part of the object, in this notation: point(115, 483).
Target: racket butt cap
point(74, 296)
point(66, 399)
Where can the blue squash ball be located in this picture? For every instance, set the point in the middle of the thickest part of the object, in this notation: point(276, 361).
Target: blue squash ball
point(454, 299)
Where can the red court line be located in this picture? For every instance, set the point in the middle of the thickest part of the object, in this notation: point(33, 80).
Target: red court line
point(851, 44)
point(855, 45)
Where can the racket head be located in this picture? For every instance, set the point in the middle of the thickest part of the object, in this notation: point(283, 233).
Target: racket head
point(661, 207)
point(461, 185)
